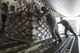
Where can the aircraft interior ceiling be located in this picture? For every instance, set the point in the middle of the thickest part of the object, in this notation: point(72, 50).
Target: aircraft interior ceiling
point(65, 7)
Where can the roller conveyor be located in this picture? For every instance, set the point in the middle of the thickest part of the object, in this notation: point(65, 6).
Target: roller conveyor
point(68, 46)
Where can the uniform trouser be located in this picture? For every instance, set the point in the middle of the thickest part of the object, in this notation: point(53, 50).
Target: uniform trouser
point(71, 30)
point(57, 33)
point(54, 32)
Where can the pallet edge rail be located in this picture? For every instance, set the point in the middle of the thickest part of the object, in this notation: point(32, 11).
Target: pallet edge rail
point(65, 46)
